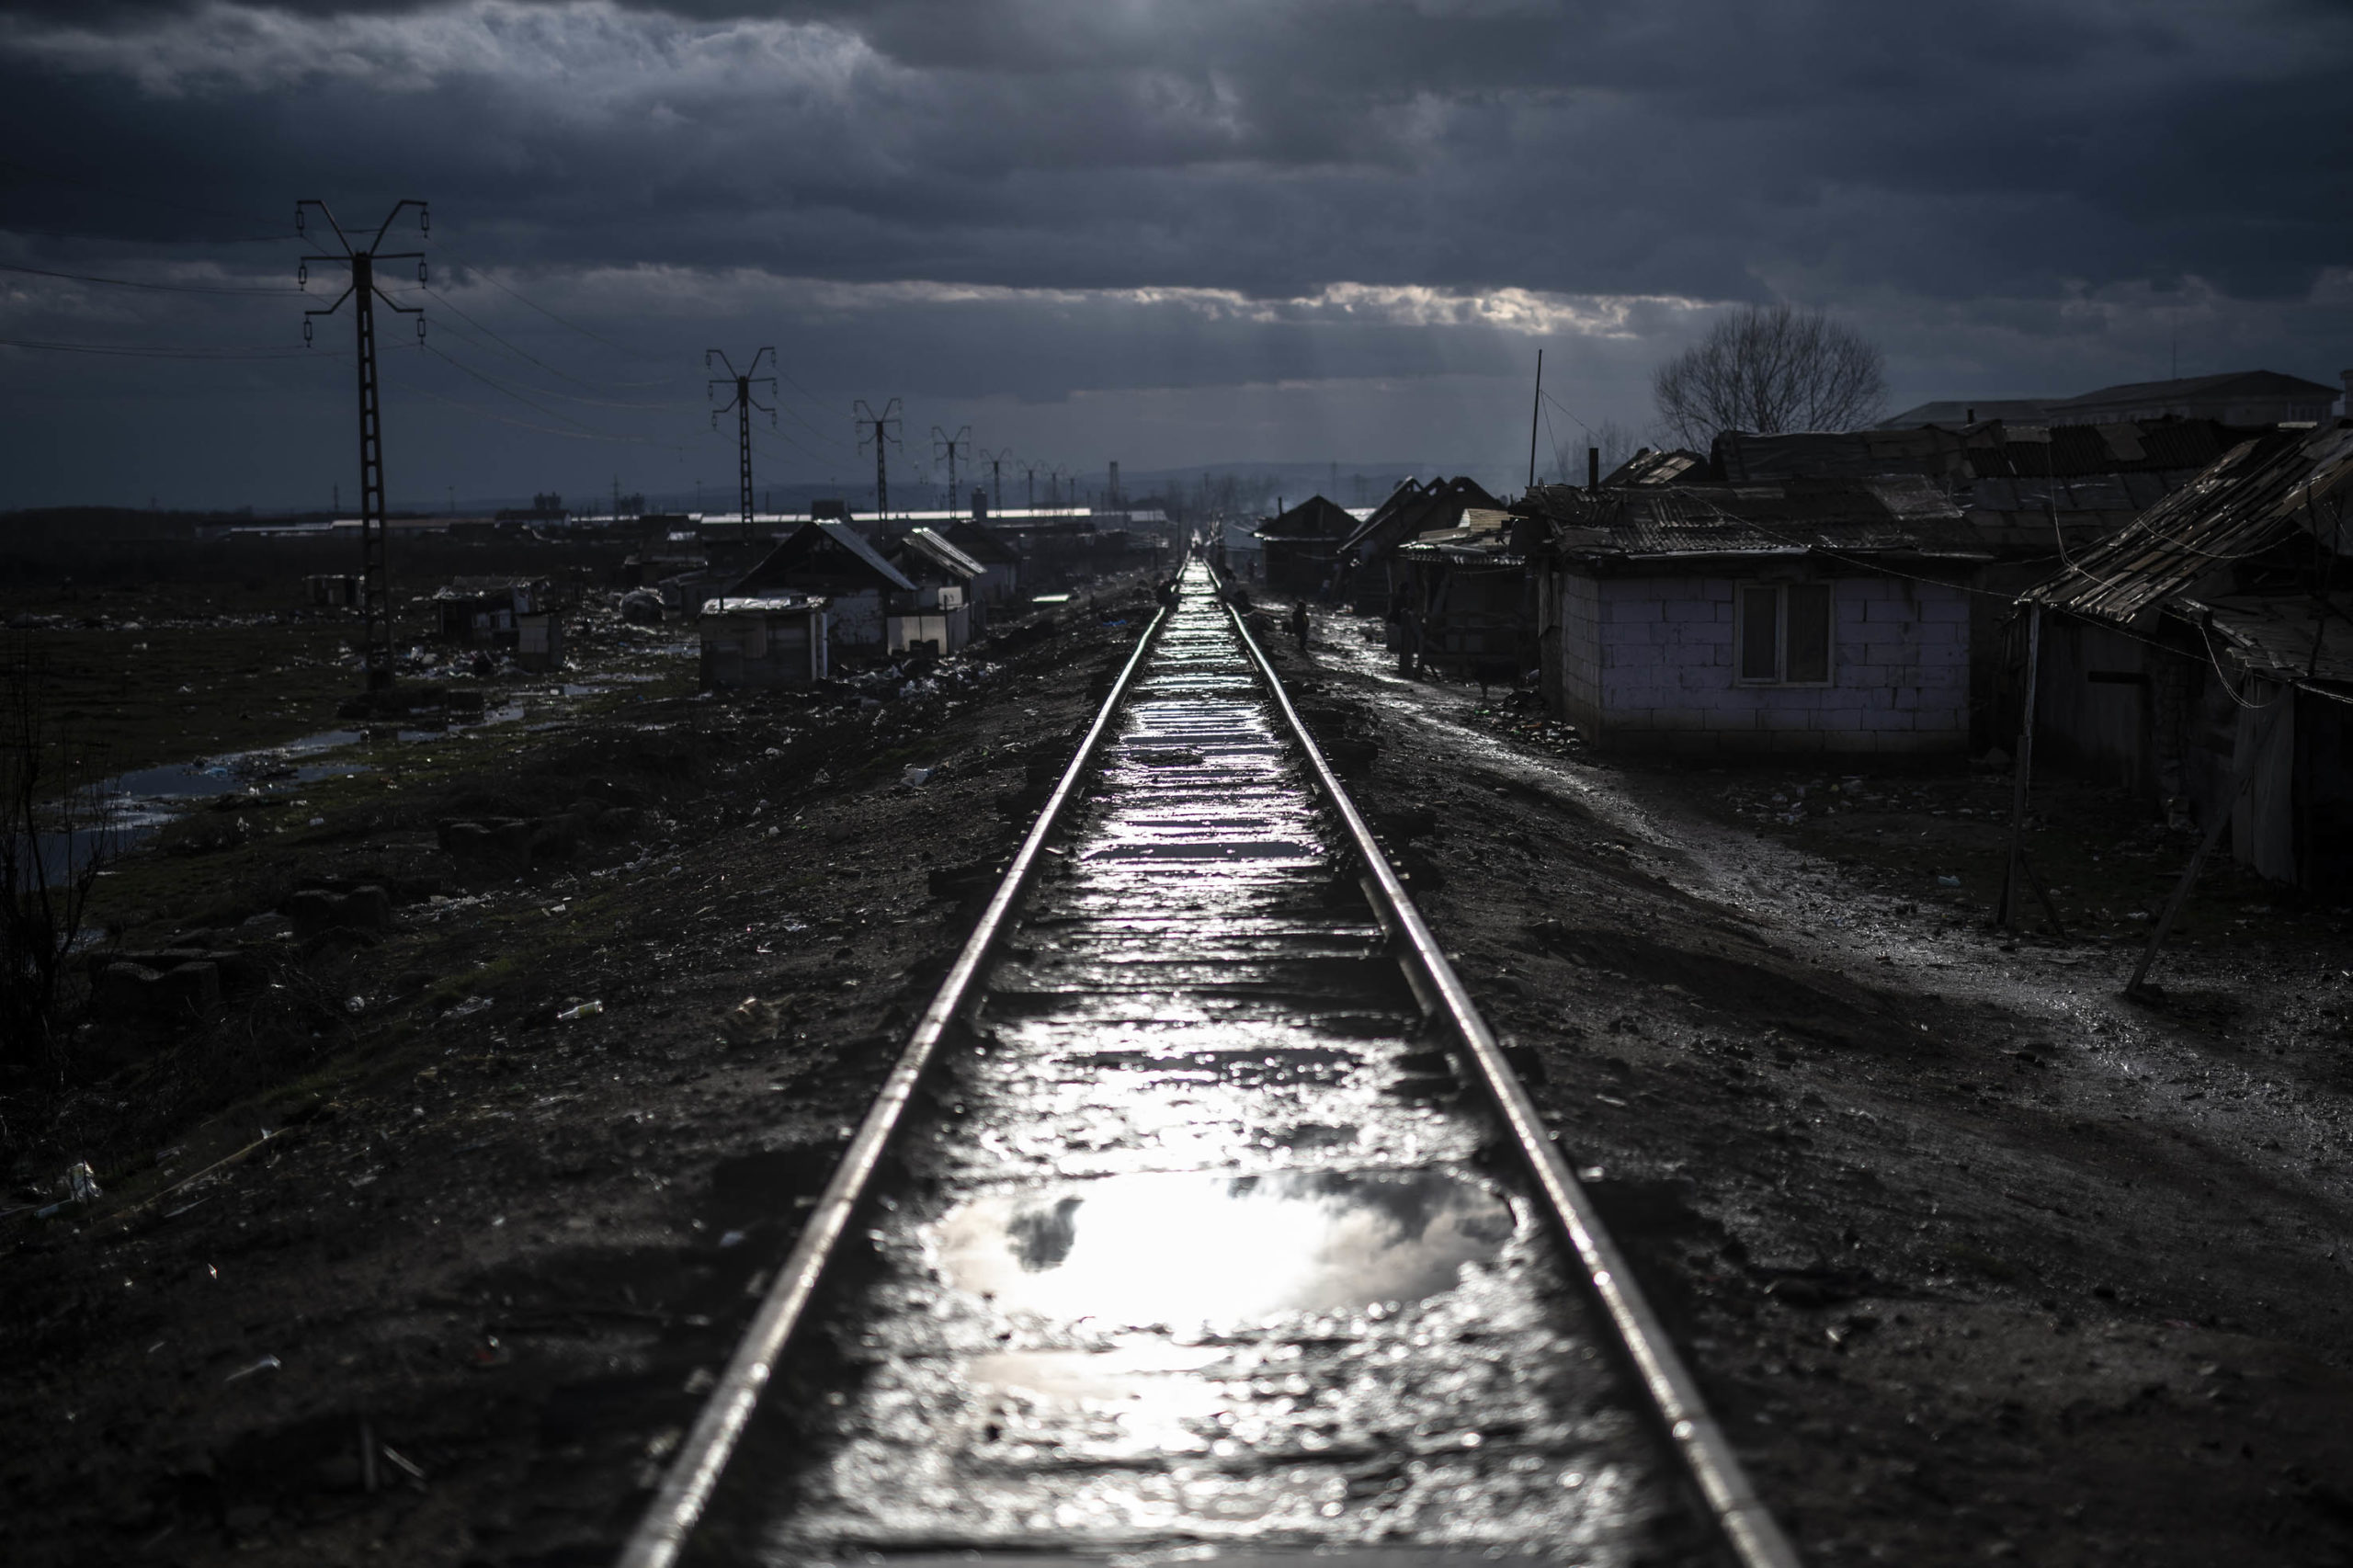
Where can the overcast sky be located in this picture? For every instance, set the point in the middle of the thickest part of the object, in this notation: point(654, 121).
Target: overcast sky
point(1206, 232)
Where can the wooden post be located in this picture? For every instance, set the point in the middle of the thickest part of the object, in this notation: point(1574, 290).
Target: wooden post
point(2244, 776)
point(2016, 870)
point(1535, 416)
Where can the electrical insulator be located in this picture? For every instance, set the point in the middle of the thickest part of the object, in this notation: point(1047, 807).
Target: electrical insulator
point(420, 270)
point(306, 333)
point(420, 329)
point(425, 220)
point(302, 275)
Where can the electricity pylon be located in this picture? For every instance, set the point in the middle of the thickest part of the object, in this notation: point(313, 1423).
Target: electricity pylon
point(948, 445)
point(879, 428)
point(375, 586)
point(996, 459)
point(742, 403)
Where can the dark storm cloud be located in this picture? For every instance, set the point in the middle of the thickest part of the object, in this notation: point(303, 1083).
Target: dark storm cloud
point(2015, 195)
point(1267, 147)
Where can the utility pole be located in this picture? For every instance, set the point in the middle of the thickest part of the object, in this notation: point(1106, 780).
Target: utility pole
point(742, 403)
point(1535, 412)
point(883, 429)
point(376, 593)
point(950, 447)
point(995, 460)
point(1029, 480)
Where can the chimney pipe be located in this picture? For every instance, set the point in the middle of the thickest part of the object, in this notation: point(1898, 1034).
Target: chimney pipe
point(1593, 467)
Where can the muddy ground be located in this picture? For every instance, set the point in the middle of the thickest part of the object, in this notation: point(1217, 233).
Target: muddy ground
point(400, 1254)
point(1976, 1259)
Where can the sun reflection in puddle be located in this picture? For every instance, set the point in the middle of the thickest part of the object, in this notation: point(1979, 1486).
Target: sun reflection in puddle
point(1189, 1250)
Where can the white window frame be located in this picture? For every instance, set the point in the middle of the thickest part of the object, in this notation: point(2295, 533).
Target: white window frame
point(1740, 591)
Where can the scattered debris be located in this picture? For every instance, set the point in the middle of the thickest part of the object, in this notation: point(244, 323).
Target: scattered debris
point(266, 1364)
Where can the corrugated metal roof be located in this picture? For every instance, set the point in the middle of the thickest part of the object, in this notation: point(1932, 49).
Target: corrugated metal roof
point(1409, 512)
point(981, 542)
point(2252, 499)
point(1673, 465)
point(2272, 635)
point(936, 547)
point(1889, 515)
point(1989, 449)
point(1313, 518)
point(781, 564)
point(765, 604)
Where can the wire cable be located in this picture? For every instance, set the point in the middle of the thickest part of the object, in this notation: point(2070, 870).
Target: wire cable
point(136, 351)
point(128, 283)
point(465, 337)
point(501, 387)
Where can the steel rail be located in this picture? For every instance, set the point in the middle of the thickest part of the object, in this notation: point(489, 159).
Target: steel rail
point(1746, 1529)
point(685, 1491)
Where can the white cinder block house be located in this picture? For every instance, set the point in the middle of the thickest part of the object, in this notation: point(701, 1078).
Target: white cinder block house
point(1809, 616)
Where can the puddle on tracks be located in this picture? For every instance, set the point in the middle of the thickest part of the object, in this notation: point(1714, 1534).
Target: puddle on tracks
point(1200, 1253)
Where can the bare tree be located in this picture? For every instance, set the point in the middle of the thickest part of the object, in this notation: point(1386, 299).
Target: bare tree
point(1770, 369)
point(1614, 442)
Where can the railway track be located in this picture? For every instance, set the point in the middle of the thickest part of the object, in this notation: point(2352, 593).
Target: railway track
point(1202, 1212)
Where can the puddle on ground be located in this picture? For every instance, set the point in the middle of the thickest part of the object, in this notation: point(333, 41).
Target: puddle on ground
point(1190, 1251)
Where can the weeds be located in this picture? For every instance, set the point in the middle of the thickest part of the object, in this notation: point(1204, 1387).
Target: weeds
point(56, 835)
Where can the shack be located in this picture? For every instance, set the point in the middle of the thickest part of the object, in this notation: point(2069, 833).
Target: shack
point(1300, 547)
point(483, 612)
point(1464, 601)
point(999, 585)
point(518, 614)
point(1365, 581)
point(827, 559)
point(763, 643)
point(2199, 657)
point(333, 590)
point(1809, 616)
point(935, 615)
point(2032, 493)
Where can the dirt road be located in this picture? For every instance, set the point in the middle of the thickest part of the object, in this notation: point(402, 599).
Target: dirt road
point(1978, 1259)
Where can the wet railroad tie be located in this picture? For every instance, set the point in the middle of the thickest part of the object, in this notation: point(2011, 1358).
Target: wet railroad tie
point(1197, 1239)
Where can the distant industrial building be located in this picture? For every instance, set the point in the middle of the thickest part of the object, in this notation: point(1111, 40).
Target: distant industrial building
point(2235, 397)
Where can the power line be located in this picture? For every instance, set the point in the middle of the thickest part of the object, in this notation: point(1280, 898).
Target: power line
point(498, 386)
point(134, 351)
point(465, 337)
point(128, 283)
point(510, 347)
point(485, 275)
